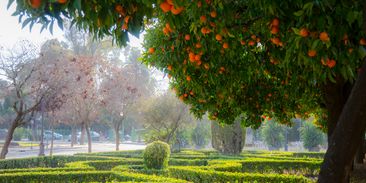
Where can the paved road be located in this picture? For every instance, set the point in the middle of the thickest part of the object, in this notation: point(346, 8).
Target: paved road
point(63, 148)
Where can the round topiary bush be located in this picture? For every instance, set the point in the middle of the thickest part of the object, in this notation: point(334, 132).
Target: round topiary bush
point(156, 155)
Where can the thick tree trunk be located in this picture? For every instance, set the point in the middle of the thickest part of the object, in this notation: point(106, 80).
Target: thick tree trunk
point(360, 155)
point(335, 95)
point(228, 139)
point(73, 138)
point(116, 132)
point(9, 137)
point(89, 138)
point(52, 138)
point(347, 135)
point(82, 135)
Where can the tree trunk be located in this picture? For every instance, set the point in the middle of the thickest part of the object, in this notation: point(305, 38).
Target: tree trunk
point(347, 135)
point(228, 139)
point(73, 137)
point(360, 155)
point(9, 137)
point(89, 138)
point(52, 138)
point(116, 132)
point(82, 135)
point(335, 95)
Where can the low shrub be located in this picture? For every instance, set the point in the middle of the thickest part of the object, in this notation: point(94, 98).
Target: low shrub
point(136, 177)
point(45, 161)
point(195, 174)
point(281, 166)
point(156, 155)
point(63, 169)
point(56, 176)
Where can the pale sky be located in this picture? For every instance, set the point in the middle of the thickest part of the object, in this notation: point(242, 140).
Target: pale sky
point(11, 32)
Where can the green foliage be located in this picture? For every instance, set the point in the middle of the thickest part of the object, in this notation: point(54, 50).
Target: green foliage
point(156, 155)
point(311, 136)
point(273, 135)
point(21, 133)
point(198, 175)
point(201, 134)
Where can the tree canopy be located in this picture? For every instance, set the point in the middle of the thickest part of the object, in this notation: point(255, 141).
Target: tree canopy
point(230, 57)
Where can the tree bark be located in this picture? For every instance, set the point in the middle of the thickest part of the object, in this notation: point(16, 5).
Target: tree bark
point(347, 135)
point(116, 132)
point(229, 139)
point(9, 137)
point(73, 138)
point(82, 135)
point(89, 138)
point(360, 154)
point(52, 138)
point(335, 95)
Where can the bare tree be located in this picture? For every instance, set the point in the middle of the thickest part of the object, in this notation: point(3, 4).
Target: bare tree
point(18, 67)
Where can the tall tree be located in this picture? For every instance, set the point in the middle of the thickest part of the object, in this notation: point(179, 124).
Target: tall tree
point(249, 57)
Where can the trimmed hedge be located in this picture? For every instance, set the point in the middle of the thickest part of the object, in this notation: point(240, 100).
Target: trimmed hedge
point(121, 154)
point(195, 174)
point(56, 177)
point(46, 161)
point(64, 169)
point(282, 166)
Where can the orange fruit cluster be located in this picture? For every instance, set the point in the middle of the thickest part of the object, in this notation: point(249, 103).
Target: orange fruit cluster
point(168, 6)
point(167, 29)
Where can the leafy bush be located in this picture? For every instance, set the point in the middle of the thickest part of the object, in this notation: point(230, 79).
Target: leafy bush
point(56, 176)
point(46, 161)
point(195, 174)
point(273, 135)
point(311, 136)
point(156, 155)
point(21, 133)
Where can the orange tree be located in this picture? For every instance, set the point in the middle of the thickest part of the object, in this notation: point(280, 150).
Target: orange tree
point(264, 58)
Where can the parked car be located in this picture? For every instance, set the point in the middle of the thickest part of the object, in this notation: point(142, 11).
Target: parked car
point(48, 135)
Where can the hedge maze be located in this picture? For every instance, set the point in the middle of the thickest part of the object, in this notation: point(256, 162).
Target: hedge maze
point(185, 166)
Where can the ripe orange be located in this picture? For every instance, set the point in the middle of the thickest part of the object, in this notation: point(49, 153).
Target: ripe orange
point(225, 45)
point(199, 4)
point(251, 43)
point(276, 41)
point(35, 3)
point(169, 67)
point(170, 2)
point(213, 14)
point(363, 41)
point(199, 62)
point(191, 93)
point(197, 57)
point(188, 78)
point(218, 37)
point(253, 36)
point(187, 37)
point(331, 63)
point(304, 32)
point(198, 45)
point(192, 57)
point(203, 19)
point(176, 11)
point(275, 22)
point(151, 50)
point(274, 30)
point(185, 95)
point(323, 36)
point(165, 6)
point(205, 30)
point(242, 42)
point(62, 1)
point(167, 25)
point(124, 26)
point(311, 53)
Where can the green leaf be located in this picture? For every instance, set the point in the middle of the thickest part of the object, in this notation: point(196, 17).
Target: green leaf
point(26, 22)
point(77, 5)
point(315, 44)
point(299, 13)
point(10, 2)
